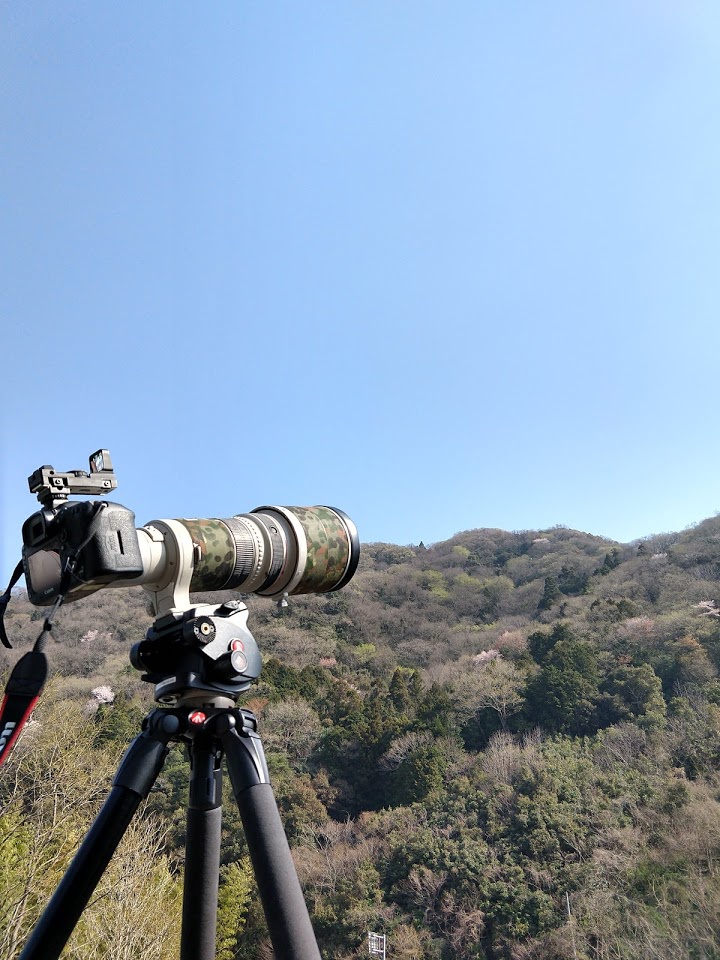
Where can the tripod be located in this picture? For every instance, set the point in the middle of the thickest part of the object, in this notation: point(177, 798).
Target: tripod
point(199, 661)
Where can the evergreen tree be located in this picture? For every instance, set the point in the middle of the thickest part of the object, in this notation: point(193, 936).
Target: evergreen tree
point(551, 594)
point(565, 693)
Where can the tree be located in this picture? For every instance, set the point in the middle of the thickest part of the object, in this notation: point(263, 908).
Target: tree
point(551, 594)
point(541, 643)
point(236, 887)
point(399, 693)
point(563, 696)
point(496, 685)
point(495, 592)
point(137, 906)
point(435, 711)
point(632, 693)
point(52, 787)
point(421, 771)
point(612, 560)
point(292, 727)
point(572, 581)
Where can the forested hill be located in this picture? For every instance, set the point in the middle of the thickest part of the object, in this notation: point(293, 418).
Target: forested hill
point(504, 745)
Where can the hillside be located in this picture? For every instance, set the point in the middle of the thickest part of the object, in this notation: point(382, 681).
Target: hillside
point(504, 745)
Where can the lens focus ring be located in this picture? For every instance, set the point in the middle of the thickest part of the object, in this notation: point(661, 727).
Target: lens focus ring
point(248, 551)
point(277, 543)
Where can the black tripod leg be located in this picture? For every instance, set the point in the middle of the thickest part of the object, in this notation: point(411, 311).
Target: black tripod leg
point(136, 775)
point(202, 851)
point(286, 913)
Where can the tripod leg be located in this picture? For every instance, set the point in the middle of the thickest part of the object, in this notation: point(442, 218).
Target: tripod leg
point(202, 851)
point(135, 776)
point(286, 913)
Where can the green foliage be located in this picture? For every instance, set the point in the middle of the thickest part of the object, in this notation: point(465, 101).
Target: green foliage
point(611, 560)
point(694, 734)
point(435, 583)
point(344, 916)
point(551, 594)
point(118, 722)
point(435, 712)
point(496, 596)
point(541, 643)
point(405, 687)
point(296, 798)
point(565, 693)
point(420, 773)
point(287, 681)
point(632, 693)
point(236, 888)
point(389, 554)
point(16, 844)
point(573, 581)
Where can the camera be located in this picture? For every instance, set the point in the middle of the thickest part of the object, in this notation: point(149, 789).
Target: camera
point(75, 548)
point(98, 537)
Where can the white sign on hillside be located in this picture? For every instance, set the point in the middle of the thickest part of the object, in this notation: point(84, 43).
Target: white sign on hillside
point(376, 945)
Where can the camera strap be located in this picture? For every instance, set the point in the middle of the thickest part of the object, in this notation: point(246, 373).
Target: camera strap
point(5, 600)
point(24, 688)
point(21, 695)
point(27, 679)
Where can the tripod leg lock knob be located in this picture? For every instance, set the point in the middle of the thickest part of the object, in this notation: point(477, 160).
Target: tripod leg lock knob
point(224, 723)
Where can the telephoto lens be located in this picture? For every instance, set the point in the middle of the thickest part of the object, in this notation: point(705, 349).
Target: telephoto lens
point(274, 550)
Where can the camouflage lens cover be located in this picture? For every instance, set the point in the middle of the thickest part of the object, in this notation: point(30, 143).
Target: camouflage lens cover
point(215, 554)
point(329, 549)
point(332, 554)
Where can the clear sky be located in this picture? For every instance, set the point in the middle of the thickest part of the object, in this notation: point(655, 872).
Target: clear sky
point(444, 265)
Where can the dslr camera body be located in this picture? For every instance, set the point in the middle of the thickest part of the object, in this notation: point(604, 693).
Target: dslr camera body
point(96, 538)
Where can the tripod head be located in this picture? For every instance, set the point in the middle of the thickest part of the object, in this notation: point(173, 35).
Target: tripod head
point(203, 655)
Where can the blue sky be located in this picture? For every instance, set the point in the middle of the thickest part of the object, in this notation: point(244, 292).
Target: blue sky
point(441, 264)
